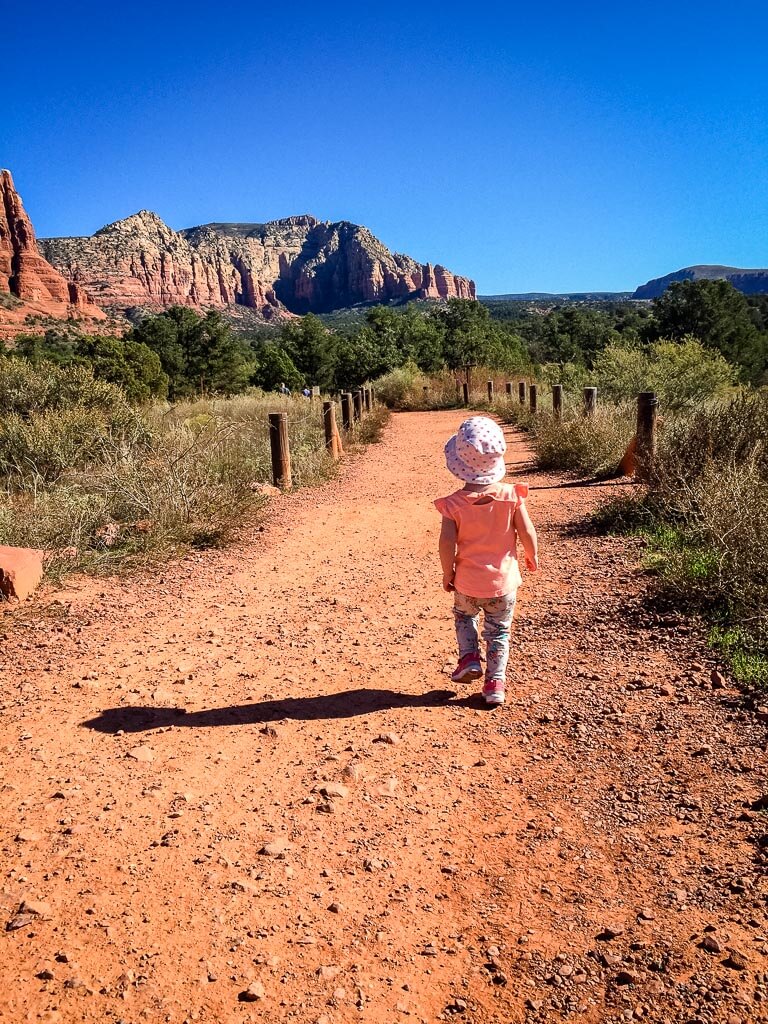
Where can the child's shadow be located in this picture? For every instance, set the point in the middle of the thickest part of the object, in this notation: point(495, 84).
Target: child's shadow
point(347, 704)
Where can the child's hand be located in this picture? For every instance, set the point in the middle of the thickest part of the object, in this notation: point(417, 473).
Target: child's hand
point(448, 584)
point(532, 564)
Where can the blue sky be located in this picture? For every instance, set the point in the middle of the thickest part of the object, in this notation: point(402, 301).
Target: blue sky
point(549, 147)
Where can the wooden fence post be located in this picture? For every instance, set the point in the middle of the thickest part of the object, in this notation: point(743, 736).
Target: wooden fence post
point(557, 401)
point(508, 387)
point(490, 390)
point(367, 395)
point(590, 401)
point(645, 450)
point(331, 430)
point(358, 404)
point(346, 410)
point(465, 392)
point(521, 392)
point(533, 394)
point(281, 454)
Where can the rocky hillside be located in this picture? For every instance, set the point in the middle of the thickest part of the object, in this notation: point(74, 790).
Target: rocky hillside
point(295, 265)
point(29, 285)
point(748, 281)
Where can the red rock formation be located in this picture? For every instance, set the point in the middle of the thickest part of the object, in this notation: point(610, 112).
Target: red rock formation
point(24, 273)
point(294, 265)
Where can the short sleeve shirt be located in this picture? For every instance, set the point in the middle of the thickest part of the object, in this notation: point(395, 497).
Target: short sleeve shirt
point(486, 543)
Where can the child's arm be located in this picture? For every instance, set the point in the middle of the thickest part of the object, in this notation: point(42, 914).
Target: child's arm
point(526, 531)
point(448, 552)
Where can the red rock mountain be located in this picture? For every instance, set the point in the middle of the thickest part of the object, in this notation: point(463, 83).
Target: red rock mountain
point(26, 275)
point(296, 265)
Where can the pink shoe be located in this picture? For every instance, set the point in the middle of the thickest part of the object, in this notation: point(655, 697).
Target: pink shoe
point(469, 668)
point(493, 691)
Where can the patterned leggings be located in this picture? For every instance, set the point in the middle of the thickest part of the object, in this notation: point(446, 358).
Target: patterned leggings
point(498, 613)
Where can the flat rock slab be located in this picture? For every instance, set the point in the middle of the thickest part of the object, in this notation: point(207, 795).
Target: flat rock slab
point(21, 570)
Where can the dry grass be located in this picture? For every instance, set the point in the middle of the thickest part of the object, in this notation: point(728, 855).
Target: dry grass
point(103, 485)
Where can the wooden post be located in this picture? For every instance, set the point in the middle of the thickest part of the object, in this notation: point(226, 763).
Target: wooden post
point(368, 399)
point(590, 401)
point(346, 410)
point(281, 454)
point(557, 401)
point(533, 393)
point(358, 404)
point(490, 390)
point(465, 392)
point(521, 392)
point(314, 392)
point(331, 431)
point(509, 389)
point(645, 450)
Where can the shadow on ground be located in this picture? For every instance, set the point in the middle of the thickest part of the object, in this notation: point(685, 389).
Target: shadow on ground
point(346, 704)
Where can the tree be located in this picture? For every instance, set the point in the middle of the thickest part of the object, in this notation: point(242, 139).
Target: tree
point(129, 364)
point(197, 353)
point(312, 349)
point(274, 367)
point(720, 317)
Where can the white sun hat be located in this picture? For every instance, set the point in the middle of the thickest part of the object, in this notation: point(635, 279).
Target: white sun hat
point(475, 453)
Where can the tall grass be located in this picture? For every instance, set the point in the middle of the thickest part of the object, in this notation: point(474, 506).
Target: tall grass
point(705, 514)
point(95, 482)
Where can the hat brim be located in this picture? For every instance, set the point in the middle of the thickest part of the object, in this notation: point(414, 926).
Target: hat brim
point(495, 471)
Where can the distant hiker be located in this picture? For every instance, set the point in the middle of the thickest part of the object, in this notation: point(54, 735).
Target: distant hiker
point(482, 523)
point(284, 390)
point(307, 393)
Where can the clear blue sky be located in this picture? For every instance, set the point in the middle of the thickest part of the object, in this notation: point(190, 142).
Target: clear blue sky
point(554, 146)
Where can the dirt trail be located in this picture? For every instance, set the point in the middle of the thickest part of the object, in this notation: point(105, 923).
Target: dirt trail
point(159, 735)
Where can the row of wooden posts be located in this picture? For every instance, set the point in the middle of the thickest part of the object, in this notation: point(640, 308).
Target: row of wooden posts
point(354, 406)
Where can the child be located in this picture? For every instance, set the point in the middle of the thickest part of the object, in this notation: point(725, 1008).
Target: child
point(478, 550)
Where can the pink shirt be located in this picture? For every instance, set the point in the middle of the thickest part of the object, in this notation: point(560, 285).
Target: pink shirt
point(486, 542)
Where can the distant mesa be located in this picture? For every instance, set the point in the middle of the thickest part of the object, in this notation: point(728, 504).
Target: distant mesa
point(291, 266)
point(751, 282)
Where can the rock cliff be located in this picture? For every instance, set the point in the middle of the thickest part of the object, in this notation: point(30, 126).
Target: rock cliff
point(751, 282)
point(25, 274)
point(295, 265)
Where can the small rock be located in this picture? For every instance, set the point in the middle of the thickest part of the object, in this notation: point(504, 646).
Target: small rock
point(332, 790)
point(534, 1004)
point(611, 931)
point(387, 789)
point(328, 972)
point(277, 848)
point(336, 908)
point(717, 680)
point(38, 908)
point(19, 921)
point(646, 914)
point(142, 753)
point(736, 960)
point(27, 836)
point(626, 978)
point(710, 943)
point(254, 992)
point(388, 737)
point(703, 751)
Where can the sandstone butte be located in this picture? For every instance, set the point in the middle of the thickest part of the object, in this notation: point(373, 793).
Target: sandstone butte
point(295, 265)
point(26, 276)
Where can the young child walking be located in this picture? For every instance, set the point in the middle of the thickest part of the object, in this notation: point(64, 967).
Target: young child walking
point(482, 523)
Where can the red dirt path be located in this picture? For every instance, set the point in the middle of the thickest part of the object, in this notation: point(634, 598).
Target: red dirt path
point(158, 733)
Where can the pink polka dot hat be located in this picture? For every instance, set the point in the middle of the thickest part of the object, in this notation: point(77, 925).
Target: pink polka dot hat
point(475, 453)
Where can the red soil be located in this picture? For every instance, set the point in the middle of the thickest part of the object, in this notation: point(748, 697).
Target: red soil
point(158, 733)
